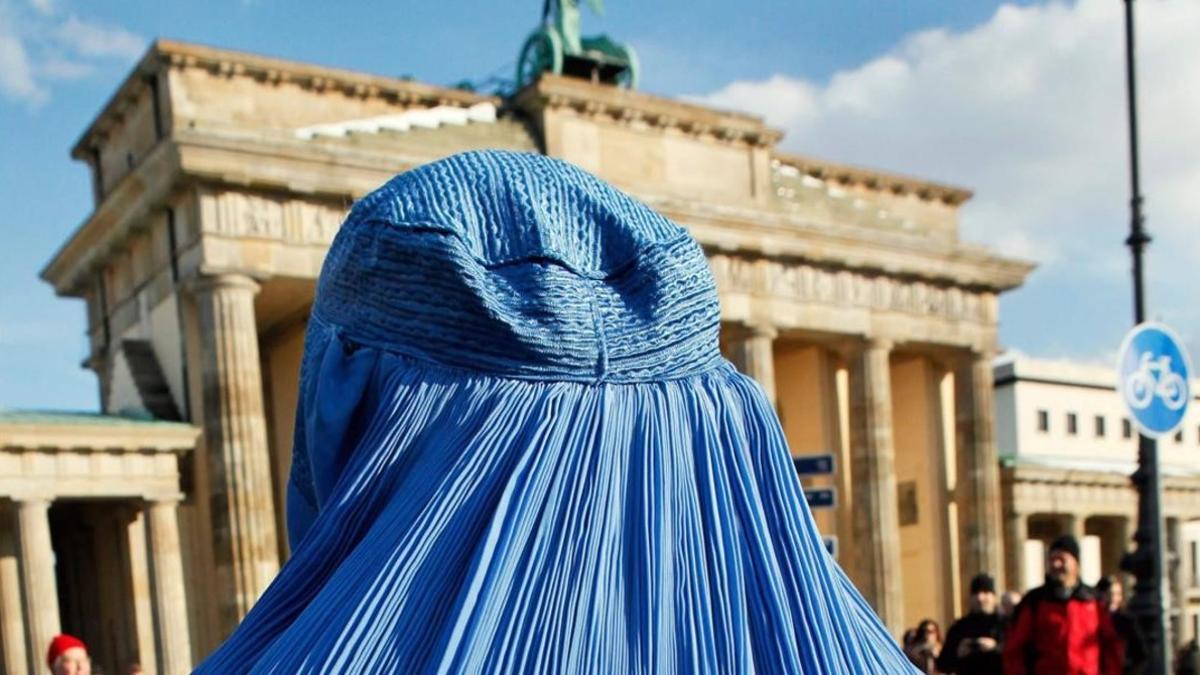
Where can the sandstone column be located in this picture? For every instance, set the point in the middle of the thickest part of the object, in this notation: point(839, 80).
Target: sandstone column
point(982, 543)
point(1015, 534)
point(38, 586)
point(751, 351)
point(170, 598)
point(873, 471)
point(245, 548)
point(12, 620)
point(1176, 602)
point(139, 578)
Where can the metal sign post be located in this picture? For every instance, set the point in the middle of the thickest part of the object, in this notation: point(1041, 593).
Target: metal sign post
point(1146, 562)
point(1154, 375)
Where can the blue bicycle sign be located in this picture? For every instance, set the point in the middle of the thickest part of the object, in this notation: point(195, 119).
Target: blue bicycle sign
point(1155, 375)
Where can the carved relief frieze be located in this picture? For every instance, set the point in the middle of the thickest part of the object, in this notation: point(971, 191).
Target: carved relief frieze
point(250, 216)
point(842, 287)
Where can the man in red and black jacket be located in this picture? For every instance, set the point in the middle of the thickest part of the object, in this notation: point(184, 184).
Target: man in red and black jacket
point(1062, 627)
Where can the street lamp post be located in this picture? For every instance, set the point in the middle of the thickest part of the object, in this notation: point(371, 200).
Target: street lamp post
point(1146, 562)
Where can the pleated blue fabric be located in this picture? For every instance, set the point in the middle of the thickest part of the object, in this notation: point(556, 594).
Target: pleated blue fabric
point(519, 450)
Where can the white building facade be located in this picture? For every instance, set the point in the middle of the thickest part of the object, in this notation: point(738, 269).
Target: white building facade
point(1067, 448)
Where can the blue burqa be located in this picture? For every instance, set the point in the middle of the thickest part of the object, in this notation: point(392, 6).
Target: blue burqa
point(519, 450)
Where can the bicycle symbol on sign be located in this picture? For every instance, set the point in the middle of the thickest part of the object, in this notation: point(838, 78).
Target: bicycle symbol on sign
point(1154, 377)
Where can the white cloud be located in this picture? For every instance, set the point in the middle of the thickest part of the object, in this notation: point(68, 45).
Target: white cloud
point(55, 68)
point(99, 40)
point(38, 46)
point(1028, 110)
point(16, 72)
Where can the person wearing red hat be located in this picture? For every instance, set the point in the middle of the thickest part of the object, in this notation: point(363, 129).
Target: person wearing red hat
point(68, 656)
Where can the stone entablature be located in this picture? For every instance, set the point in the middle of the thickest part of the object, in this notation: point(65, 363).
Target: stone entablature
point(807, 283)
point(760, 233)
point(1036, 490)
point(55, 456)
point(796, 295)
point(244, 215)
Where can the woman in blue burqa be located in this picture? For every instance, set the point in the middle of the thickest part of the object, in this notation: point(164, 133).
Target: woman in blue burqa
point(519, 450)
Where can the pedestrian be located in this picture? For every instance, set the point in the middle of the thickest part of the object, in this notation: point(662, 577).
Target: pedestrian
point(1062, 627)
point(68, 655)
point(1112, 595)
point(1187, 661)
point(973, 642)
point(925, 645)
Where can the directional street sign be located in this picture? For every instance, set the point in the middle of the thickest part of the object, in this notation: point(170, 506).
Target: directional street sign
point(821, 498)
point(1154, 378)
point(814, 465)
point(831, 544)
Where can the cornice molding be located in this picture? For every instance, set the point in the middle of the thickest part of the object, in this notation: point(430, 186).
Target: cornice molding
point(629, 108)
point(846, 174)
point(168, 54)
point(772, 234)
point(98, 437)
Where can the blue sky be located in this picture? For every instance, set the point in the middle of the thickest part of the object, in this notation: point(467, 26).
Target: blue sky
point(1020, 101)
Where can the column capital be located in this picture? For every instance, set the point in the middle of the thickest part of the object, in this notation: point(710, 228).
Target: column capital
point(852, 347)
point(879, 342)
point(751, 351)
point(757, 329)
point(985, 354)
point(973, 356)
point(170, 499)
point(221, 281)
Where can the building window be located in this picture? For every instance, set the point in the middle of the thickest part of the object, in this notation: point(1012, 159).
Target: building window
point(1099, 426)
point(1179, 436)
point(1072, 424)
point(1126, 428)
point(1043, 421)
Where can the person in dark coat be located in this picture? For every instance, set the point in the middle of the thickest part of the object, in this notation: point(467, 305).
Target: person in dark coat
point(1062, 627)
point(1187, 662)
point(1112, 594)
point(973, 642)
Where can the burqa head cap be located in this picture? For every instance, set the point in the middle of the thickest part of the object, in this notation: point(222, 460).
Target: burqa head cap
point(525, 266)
